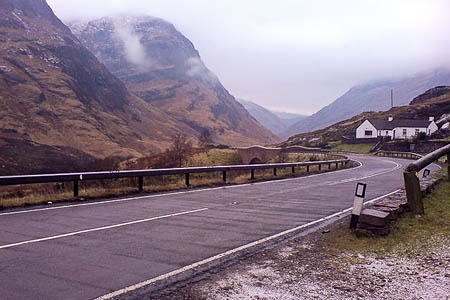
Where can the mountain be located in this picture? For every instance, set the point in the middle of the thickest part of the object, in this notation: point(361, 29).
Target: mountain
point(264, 116)
point(289, 119)
point(277, 122)
point(160, 65)
point(59, 106)
point(371, 97)
point(437, 107)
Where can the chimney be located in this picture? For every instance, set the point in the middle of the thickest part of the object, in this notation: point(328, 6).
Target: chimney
point(430, 119)
point(390, 118)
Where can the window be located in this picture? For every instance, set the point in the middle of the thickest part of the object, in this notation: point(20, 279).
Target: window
point(387, 133)
point(368, 133)
point(417, 131)
point(404, 131)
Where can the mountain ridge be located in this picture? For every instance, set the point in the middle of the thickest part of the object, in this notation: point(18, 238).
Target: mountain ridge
point(374, 96)
point(160, 65)
point(437, 107)
point(54, 94)
point(277, 122)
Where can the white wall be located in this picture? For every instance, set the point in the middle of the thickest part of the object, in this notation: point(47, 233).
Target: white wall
point(410, 132)
point(366, 125)
point(432, 128)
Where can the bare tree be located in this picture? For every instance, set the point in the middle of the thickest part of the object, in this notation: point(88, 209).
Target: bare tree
point(180, 149)
point(205, 138)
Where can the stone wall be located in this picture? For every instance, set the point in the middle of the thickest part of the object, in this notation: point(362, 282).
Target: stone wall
point(419, 147)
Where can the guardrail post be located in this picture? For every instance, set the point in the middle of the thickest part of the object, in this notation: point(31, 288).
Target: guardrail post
point(252, 174)
point(274, 171)
point(329, 166)
point(448, 166)
point(293, 169)
point(413, 193)
point(337, 165)
point(320, 167)
point(224, 176)
point(187, 179)
point(141, 183)
point(307, 169)
point(75, 188)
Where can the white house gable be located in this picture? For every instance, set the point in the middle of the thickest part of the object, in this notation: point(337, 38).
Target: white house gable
point(432, 128)
point(366, 130)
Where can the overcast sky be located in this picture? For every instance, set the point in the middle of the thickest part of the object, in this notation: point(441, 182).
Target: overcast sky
point(294, 55)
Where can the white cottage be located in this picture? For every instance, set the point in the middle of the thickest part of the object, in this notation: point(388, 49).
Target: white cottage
point(396, 129)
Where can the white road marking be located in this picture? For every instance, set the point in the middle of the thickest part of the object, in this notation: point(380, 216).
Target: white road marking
point(229, 252)
point(397, 166)
point(101, 228)
point(168, 194)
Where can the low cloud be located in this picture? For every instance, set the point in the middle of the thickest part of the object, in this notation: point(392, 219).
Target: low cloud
point(131, 40)
point(197, 69)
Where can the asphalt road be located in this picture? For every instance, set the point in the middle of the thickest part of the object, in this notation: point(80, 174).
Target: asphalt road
point(84, 251)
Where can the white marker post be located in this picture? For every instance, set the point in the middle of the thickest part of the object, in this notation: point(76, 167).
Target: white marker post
point(360, 194)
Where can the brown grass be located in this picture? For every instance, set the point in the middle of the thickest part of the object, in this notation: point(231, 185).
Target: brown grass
point(25, 195)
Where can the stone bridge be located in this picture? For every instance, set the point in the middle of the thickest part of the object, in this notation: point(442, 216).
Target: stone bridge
point(261, 155)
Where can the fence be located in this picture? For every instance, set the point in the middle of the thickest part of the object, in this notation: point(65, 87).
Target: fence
point(412, 185)
point(140, 174)
point(409, 155)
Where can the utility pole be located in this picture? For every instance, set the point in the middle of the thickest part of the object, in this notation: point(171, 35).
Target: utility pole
point(392, 98)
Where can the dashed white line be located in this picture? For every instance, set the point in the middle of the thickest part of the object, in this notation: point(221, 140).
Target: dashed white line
point(101, 228)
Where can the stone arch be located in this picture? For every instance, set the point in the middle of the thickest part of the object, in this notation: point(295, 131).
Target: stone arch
point(255, 160)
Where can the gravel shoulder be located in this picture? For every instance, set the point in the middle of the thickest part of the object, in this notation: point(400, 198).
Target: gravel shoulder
point(412, 263)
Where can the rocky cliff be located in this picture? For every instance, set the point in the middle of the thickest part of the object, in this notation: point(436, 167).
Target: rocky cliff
point(161, 66)
point(56, 97)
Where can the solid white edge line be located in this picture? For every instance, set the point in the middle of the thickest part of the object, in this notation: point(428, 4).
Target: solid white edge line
point(229, 252)
point(100, 228)
point(398, 166)
point(169, 194)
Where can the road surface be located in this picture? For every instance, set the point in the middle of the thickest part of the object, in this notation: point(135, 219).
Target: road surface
point(88, 250)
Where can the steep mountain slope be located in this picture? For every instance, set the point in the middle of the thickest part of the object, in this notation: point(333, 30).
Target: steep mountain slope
point(277, 122)
point(371, 97)
point(57, 98)
point(438, 107)
point(264, 116)
point(160, 65)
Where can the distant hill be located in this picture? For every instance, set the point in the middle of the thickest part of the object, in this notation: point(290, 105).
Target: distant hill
point(277, 122)
point(438, 107)
point(289, 119)
point(161, 66)
point(371, 97)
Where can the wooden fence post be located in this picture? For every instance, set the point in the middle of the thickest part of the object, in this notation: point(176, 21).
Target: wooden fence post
point(141, 183)
point(187, 179)
point(448, 166)
point(75, 188)
point(413, 193)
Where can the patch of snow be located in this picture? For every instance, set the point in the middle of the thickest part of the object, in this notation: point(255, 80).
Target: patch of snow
point(16, 13)
point(5, 69)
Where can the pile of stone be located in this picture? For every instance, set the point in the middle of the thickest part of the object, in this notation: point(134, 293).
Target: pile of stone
point(376, 219)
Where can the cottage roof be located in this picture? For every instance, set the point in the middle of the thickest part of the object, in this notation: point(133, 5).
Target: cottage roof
point(389, 125)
